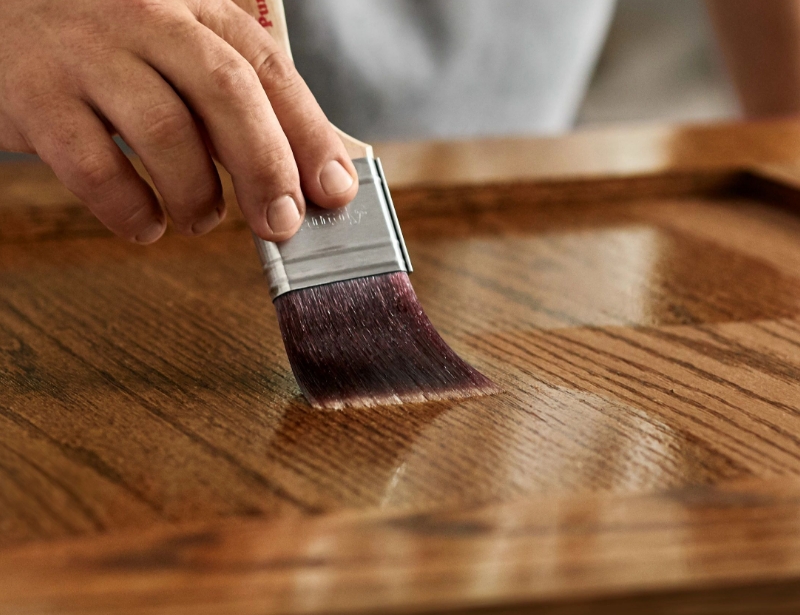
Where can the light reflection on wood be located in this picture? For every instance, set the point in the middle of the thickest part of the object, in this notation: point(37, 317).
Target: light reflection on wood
point(635, 294)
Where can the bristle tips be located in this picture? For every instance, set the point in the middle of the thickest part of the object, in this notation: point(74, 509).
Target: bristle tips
point(367, 342)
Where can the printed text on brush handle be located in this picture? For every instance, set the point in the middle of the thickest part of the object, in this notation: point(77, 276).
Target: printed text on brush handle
point(264, 14)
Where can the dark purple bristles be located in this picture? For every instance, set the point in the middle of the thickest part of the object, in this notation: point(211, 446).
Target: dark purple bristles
point(367, 342)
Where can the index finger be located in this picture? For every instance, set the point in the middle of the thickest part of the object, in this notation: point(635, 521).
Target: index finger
point(327, 174)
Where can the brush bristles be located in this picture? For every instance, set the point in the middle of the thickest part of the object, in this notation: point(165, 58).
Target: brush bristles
point(367, 342)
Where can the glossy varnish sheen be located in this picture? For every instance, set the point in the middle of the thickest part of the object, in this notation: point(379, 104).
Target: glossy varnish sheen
point(636, 301)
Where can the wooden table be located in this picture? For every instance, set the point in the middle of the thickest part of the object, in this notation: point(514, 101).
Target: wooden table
point(636, 293)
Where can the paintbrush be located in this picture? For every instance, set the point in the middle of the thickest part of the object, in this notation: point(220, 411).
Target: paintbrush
point(354, 330)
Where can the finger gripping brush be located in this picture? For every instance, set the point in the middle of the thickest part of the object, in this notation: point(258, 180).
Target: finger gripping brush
point(354, 331)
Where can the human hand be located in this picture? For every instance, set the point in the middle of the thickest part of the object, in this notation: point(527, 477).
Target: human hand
point(177, 79)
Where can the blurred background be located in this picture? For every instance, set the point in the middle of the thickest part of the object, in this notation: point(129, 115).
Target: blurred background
point(660, 63)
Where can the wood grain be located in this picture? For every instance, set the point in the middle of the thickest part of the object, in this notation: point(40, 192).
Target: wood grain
point(636, 294)
point(696, 550)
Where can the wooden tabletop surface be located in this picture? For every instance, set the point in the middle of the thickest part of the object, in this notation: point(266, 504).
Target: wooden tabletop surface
point(635, 293)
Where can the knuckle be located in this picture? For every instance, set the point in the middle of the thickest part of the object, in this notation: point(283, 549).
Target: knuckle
point(26, 93)
point(318, 135)
point(233, 77)
point(277, 70)
point(151, 10)
point(185, 208)
point(95, 170)
point(167, 124)
point(207, 197)
point(274, 166)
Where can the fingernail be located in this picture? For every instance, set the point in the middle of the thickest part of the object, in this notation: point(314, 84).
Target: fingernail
point(209, 222)
point(151, 233)
point(283, 214)
point(335, 179)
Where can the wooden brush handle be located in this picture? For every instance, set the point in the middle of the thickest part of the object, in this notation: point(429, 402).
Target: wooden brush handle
point(271, 15)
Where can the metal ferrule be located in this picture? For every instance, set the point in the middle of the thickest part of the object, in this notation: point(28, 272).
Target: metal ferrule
point(359, 240)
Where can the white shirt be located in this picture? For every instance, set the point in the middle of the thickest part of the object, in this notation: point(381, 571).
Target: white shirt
point(405, 69)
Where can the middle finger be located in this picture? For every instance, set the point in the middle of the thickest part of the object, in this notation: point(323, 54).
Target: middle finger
point(159, 127)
